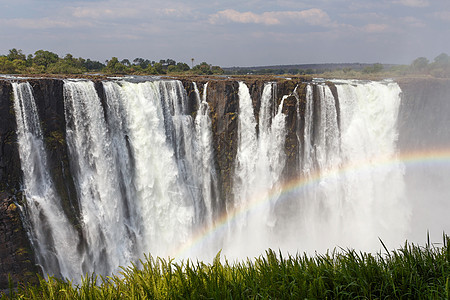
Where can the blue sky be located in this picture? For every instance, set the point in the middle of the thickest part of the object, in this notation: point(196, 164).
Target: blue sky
point(230, 33)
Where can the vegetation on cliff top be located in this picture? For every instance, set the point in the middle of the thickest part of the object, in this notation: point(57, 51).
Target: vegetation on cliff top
point(440, 68)
point(46, 62)
point(410, 272)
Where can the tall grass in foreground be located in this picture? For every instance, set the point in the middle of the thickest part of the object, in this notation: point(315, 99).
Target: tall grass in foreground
point(410, 272)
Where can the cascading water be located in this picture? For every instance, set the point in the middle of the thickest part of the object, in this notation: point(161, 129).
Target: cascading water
point(52, 235)
point(204, 156)
point(143, 164)
point(260, 160)
point(173, 171)
point(97, 180)
point(354, 189)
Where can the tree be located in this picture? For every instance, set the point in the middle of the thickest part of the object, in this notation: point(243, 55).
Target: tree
point(125, 62)
point(93, 65)
point(16, 54)
point(182, 67)
point(45, 58)
point(216, 70)
point(170, 62)
point(202, 69)
point(419, 64)
point(29, 60)
point(375, 68)
point(441, 66)
point(6, 66)
point(442, 59)
point(115, 67)
point(67, 65)
point(159, 68)
point(143, 63)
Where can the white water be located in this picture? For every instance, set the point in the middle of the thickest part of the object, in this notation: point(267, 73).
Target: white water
point(52, 235)
point(96, 179)
point(260, 160)
point(351, 197)
point(204, 156)
point(147, 182)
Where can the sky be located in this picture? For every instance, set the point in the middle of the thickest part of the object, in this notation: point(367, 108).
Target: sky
point(230, 33)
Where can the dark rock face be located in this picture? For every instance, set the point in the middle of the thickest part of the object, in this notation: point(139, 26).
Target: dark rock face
point(16, 254)
point(223, 99)
point(10, 174)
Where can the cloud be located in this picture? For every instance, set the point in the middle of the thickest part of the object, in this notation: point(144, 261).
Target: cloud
point(44, 23)
point(312, 16)
point(413, 3)
point(443, 15)
point(230, 15)
point(137, 10)
point(414, 22)
point(375, 28)
point(103, 12)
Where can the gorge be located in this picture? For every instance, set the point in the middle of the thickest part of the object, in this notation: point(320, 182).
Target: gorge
point(95, 173)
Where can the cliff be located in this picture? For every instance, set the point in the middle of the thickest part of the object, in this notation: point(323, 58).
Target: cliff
point(16, 256)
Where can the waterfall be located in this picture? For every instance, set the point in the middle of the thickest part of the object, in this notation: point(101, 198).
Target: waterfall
point(260, 160)
point(204, 151)
point(97, 180)
point(376, 196)
point(52, 235)
point(151, 136)
point(351, 198)
point(306, 154)
point(143, 161)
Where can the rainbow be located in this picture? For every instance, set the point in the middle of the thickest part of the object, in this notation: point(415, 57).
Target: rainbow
point(433, 157)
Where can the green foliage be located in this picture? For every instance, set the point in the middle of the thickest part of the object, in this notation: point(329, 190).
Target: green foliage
point(45, 58)
point(442, 59)
point(158, 68)
point(16, 62)
point(206, 69)
point(216, 70)
point(16, 54)
point(375, 68)
point(420, 64)
point(68, 65)
point(143, 63)
point(178, 68)
point(7, 66)
point(115, 67)
point(93, 65)
point(49, 62)
point(410, 272)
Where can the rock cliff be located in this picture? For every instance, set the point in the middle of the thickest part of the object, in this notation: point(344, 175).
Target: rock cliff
point(16, 256)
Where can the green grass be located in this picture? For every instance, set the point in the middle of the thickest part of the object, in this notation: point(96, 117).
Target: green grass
point(411, 272)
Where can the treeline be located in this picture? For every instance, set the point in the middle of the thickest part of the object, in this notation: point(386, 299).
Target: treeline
point(46, 62)
point(369, 69)
point(439, 67)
